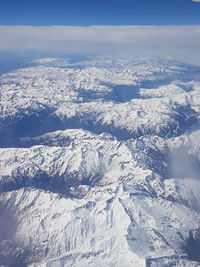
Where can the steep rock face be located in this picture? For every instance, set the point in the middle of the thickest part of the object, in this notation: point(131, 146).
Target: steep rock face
point(94, 175)
point(74, 157)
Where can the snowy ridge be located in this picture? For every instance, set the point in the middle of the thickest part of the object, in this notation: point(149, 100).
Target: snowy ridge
point(100, 164)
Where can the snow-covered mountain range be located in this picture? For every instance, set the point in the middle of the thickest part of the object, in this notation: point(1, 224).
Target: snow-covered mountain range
point(100, 164)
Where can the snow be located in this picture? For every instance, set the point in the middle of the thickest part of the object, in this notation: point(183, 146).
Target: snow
point(90, 181)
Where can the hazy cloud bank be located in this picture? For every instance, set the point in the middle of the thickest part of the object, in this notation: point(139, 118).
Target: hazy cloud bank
point(179, 42)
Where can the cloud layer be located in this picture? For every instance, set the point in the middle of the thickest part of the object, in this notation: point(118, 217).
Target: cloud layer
point(179, 42)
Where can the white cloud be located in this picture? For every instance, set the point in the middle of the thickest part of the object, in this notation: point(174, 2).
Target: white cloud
point(180, 42)
point(198, 1)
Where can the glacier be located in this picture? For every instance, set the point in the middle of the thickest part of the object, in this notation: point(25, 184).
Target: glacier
point(100, 163)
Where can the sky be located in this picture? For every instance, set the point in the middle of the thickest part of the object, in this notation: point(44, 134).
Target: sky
point(161, 28)
point(99, 12)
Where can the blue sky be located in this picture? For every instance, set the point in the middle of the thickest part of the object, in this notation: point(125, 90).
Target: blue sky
point(99, 12)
